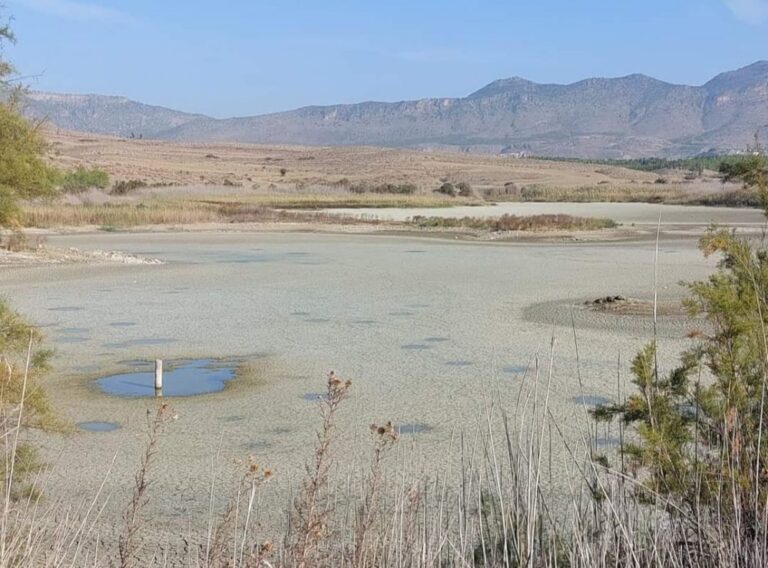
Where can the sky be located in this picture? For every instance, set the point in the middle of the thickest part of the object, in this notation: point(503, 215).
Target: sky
point(245, 57)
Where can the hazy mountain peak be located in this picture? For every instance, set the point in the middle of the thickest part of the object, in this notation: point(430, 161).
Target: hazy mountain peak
point(629, 116)
point(501, 86)
point(752, 75)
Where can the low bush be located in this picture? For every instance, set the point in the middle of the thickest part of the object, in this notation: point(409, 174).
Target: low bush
point(510, 192)
point(400, 189)
point(464, 189)
point(447, 189)
point(124, 187)
point(384, 188)
point(82, 179)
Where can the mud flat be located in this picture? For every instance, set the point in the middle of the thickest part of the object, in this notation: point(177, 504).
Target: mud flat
point(428, 330)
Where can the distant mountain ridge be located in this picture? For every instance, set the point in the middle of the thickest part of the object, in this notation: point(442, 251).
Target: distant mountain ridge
point(632, 116)
point(103, 114)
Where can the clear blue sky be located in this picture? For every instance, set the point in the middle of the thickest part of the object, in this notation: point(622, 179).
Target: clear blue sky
point(239, 57)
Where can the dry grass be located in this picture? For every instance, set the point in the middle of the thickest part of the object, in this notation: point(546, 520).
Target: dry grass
point(334, 201)
point(728, 198)
point(119, 214)
point(592, 194)
point(313, 508)
point(129, 546)
point(517, 223)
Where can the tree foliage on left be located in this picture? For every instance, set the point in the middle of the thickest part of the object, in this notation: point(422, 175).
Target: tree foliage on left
point(23, 171)
point(24, 404)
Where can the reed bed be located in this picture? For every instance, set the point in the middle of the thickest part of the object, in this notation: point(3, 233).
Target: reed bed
point(731, 198)
point(173, 213)
point(339, 200)
point(607, 193)
point(119, 214)
point(668, 194)
point(544, 222)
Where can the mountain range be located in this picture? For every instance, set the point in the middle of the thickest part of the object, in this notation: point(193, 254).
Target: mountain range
point(626, 117)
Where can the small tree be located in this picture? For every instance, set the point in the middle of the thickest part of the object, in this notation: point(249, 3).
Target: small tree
point(23, 172)
point(702, 445)
point(23, 402)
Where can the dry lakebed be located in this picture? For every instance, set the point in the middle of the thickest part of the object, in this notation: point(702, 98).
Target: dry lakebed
point(430, 331)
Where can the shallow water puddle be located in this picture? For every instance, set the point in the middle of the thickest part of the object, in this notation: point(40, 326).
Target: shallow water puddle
point(247, 258)
point(71, 339)
point(260, 256)
point(414, 346)
point(514, 369)
point(98, 426)
point(610, 442)
point(74, 330)
point(231, 419)
point(415, 428)
point(590, 400)
point(140, 342)
point(459, 363)
point(314, 396)
point(86, 368)
point(187, 378)
point(257, 446)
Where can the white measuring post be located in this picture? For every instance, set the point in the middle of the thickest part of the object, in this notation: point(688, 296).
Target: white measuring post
point(158, 377)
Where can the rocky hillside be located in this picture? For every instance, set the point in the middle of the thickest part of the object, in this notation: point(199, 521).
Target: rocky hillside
point(630, 116)
point(105, 115)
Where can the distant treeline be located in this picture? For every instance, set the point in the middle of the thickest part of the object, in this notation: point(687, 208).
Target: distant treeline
point(697, 164)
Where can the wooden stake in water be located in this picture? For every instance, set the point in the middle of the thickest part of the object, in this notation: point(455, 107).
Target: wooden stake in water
point(158, 377)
